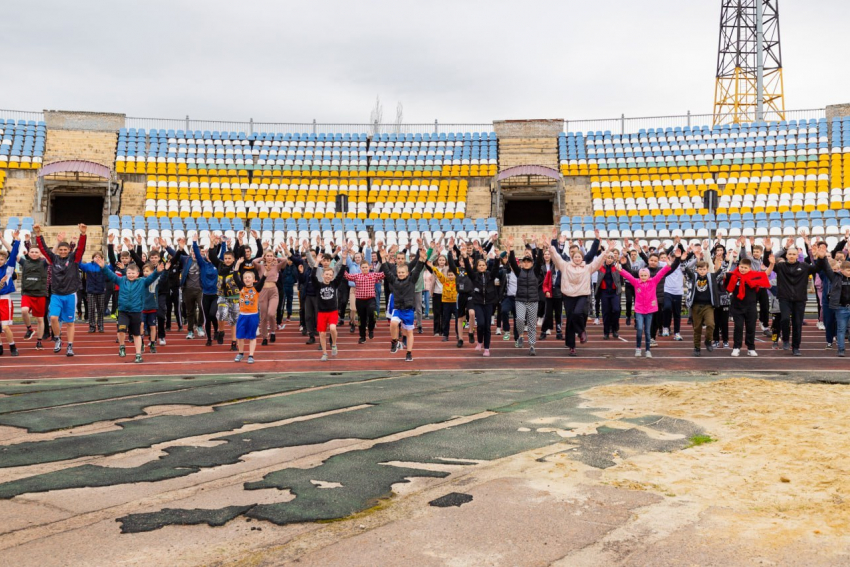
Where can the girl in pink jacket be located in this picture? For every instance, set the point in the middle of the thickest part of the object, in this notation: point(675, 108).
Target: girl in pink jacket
point(646, 299)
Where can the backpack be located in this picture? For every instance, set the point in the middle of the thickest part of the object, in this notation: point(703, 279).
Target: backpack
point(464, 283)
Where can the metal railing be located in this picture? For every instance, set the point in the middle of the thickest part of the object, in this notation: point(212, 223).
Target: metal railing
point(629, 125)
point(21, 115)
point(315, 127)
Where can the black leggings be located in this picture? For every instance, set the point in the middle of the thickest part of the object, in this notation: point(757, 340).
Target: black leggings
point(449, 311)
point(210, 305)
point(576, 312)
point(552, 314)
point(437, 308)
point(366, 311)
point(721, 324)
point(483, 315)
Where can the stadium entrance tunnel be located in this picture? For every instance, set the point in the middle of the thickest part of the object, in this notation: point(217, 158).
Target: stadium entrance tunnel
point(74, 209)
point(528, 211)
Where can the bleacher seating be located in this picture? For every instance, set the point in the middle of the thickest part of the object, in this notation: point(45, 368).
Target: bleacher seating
point(418, 199)
point(433, 155)
point(21, 144)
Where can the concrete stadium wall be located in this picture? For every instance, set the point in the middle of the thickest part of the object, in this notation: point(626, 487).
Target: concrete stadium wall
point(93, 121)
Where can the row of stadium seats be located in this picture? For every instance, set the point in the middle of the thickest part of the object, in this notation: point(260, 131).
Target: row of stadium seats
point(328, 155)
point(21, 144)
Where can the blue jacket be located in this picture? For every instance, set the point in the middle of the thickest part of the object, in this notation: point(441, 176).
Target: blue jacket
point(209, 273)
point(8, 269)
point(95, 281)
point(131, 294)
point(151, 300)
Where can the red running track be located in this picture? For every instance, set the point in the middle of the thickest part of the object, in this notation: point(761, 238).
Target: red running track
point(97, 356)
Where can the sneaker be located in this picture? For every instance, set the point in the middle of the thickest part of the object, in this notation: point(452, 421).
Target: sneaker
point(239, 357)
point(506, 337)
point(665, 332)
point(542, 336)
point(486, 352)
point(190, 336)
point(371, 334)
point(153, 347)
point(265, 342)
point(596, 321)
point(796, 352)
point(250, 359)
point(200, 332)
point(394, 348)
point(334, 350)
point(736, 352)
point(559, 336)
point(518, 343)
point(767, 332)
point(161, 342)
point(57, 346)
point(13, 350)
point(272, 338)
point(408, 357)
point(531, 352)
point(311, 341)
point(709, 346)
point(775, 345)
point(478, 346)
point(697, 352)
point(459, 343)
point(471, 337)
point(572, 352)
point(69, 351)
point(361, 341)
point(763, 328)
point(219, 338)
point(324, 358)
point(725, 345)
point(28, 335)
point(233, 347)
point(653, 342)
point(841, 353)
point(786, 345)
point(122, 351)
point(648, 354)
point(498, 331)
point(606, 337)
point(828, 345)
point(209, 342)
point(616, 335)
point(138, 359)
point(752, 353)
point(38, 345)
point(419, 329)
point(637, 353)
point(821, 326)
point(677, 337)
point(351, 328)
point(582, 338)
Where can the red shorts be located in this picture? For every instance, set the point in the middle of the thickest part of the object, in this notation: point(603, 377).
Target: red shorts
point(37, 305)
point(325, 319)
point(7, 310)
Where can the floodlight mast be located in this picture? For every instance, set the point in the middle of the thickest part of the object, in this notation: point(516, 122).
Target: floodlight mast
point(749, 83)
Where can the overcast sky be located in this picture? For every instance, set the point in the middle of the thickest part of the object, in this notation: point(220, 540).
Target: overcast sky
point(460, 61)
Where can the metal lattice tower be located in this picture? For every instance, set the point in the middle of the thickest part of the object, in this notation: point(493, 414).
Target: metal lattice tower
point(749, 82)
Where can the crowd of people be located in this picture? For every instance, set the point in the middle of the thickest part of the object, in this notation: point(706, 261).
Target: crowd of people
point(525, 291)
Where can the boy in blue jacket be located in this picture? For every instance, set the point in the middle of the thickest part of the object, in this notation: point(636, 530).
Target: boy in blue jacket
point(8, 261)
point(131, 298)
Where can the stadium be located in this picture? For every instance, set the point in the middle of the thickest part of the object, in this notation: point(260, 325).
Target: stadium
point(124, 416)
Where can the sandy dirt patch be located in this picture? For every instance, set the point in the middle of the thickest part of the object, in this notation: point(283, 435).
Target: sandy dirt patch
point(779, 462)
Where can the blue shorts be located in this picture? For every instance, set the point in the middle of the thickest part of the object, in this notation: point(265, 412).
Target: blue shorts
point(64, 307)
point(247, 325)
point(405, 317)
point(390, 306)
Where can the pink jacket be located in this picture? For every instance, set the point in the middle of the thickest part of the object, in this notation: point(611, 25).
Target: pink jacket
point(575, 280)
point(646, 299)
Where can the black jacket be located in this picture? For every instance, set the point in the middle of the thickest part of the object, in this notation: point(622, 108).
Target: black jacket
point(404, 291)
point(484, 290)
point(527, 281)
point(836, 281)
point(792, 280)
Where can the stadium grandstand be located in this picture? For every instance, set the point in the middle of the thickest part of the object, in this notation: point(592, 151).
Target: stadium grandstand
point(771, 178)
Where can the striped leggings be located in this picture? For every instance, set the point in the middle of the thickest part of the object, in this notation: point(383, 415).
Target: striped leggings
point(96, 302)
point(526, 320)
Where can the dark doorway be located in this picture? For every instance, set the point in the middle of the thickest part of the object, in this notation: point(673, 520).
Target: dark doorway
point(532, 211)
point(72, 209)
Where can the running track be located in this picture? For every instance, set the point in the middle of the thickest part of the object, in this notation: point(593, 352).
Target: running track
point(96, 356)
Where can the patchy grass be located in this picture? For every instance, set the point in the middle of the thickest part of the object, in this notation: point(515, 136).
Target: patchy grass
point(698, 440)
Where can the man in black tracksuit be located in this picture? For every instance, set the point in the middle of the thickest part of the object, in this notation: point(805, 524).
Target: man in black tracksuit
point(792, 283)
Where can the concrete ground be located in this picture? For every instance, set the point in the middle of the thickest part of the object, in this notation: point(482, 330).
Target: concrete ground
point(340, 468)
